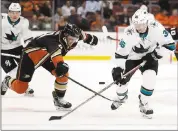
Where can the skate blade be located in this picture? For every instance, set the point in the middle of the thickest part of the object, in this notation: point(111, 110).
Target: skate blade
point(29, 95)
point(63, 109)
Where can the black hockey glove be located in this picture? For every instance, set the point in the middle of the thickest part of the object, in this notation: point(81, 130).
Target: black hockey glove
point(61, 69)
point(91, 39)
point(153, 56)
point(117, 74)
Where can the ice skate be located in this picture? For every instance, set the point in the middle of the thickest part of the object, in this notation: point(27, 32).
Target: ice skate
point(144, 109)
point(29, 92)
point(60, 103)
point(118, 102)
point(4, 85)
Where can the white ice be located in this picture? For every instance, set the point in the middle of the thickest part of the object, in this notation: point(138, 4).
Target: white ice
point(22, 113)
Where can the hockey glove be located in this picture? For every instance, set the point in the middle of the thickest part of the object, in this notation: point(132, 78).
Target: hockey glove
point(117, 74)
point(91, 39)
point(61, 69)
point(153, 56)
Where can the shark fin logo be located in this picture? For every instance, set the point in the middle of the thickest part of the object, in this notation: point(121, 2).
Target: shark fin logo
point(140, 50)
point(11, 36)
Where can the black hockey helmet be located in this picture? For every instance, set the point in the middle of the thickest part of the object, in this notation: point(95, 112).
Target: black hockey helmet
point(72, 30)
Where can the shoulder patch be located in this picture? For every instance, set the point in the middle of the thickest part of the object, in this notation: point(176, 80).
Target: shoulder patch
point(129, 31)
point(122, 43)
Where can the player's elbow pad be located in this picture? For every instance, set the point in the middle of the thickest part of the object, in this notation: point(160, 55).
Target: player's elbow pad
point(91, 40)
point(170, 46)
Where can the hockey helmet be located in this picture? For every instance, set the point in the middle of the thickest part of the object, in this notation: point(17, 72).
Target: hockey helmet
point(140, 20)
point(15, 7)
point(72, 30)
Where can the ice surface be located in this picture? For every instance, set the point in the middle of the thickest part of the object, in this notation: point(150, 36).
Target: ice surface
point(19, 112)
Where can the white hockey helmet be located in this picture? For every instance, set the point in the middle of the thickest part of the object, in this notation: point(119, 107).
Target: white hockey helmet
point(15, 7)
point(140, 17)
point(144, 7)
point(140, 20)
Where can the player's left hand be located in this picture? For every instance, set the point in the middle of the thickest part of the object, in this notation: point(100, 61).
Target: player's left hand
point(117, 74)
point(61, 69)
point(91, 39)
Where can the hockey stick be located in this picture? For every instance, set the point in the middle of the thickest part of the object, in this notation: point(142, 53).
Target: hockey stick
point(105, 30)
point(88, 88)
point(60, 117)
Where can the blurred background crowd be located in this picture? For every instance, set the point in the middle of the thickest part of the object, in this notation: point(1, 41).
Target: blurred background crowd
point(91, 15)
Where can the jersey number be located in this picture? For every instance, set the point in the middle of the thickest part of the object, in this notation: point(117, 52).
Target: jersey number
point(165, 32)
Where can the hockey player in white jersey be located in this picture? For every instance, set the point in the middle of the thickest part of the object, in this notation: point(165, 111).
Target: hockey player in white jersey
point(15, 34)
point(142, 41)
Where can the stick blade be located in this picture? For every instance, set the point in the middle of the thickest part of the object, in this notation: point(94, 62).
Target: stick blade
point(104, 28)
point(55, 118)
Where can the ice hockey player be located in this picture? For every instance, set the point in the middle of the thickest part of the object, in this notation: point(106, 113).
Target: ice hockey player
point(15, 33)
point(47, 51)
point(142, 41)
point(174, 33)
point(173, 30)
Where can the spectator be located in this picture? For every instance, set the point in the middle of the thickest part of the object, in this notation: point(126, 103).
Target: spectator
point(107, 12)
point(36, 10)
point(90, 16)
point(58, 15)
point(73, 17)
point(46, 9)
point(66, 9)
point(35, 23)
point(46, 24)
point(82, 10)
point(26, 5)
point(97, 25)
point(124, 18)
point(92, 6)
point(117, 8)
point(83, 23)
point(61, 23)
point(173, 19)
point(162, 17)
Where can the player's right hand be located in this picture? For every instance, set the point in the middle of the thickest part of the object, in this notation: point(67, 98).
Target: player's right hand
point(117, 74)
point(61, 69)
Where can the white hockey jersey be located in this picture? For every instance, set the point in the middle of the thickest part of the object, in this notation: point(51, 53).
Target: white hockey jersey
point(133, 46)
point(13, 34)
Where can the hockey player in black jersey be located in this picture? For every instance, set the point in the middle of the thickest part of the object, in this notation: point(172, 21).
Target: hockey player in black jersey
point(174, 34)
point(47, 51)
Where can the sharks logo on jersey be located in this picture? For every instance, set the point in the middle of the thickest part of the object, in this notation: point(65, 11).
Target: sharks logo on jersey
point(130, 31)
point(11, 37)
point(140, 49)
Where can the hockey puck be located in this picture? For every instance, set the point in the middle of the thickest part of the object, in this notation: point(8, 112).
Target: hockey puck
point(101, 82)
